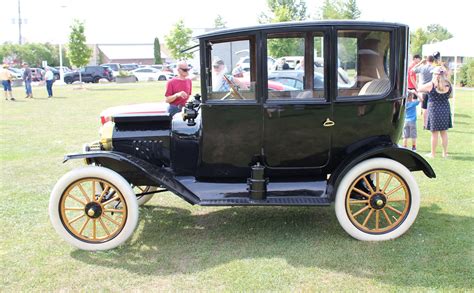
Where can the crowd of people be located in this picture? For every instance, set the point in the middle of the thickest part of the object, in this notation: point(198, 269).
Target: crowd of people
point(7, 78)
point(428, 84)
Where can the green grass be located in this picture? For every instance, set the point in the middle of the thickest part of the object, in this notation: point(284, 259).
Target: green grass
point(182, 247)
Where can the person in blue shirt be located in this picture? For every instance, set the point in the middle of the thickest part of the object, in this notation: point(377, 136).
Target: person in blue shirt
point(409, 129)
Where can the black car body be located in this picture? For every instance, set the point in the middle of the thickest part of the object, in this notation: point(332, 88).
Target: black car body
point(89, 74)
point(322, 143)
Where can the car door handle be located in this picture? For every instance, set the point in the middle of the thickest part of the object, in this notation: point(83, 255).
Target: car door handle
point(328, 123)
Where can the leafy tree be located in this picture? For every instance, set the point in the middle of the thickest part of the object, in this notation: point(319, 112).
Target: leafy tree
point(437, 33)
point(340, 9)
point(79, 53)
point(32, 53)
point(178, 40)
point(332, 9)
point(157, 51)
point(434, 33)
point(284, 10)
point(219, 22)
point(418, 39)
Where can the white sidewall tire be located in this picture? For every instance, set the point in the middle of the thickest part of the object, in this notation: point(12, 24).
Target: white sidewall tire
point(146, 198)
point(353, 174)
point(102, 173)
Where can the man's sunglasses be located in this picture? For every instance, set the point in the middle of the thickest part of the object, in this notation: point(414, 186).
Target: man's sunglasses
point(184, 69)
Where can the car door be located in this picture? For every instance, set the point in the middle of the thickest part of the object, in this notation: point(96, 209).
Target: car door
point(297, 123)
point(231, 122)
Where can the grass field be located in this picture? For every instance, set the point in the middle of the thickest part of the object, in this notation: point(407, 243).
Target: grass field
point(182, 247)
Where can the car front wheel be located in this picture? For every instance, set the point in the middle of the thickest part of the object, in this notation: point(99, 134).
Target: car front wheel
point(377, 200)
point(93, 208)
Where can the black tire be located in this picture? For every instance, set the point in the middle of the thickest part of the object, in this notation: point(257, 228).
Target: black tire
point(68, 80)
point(162, 77)
point(96, 79)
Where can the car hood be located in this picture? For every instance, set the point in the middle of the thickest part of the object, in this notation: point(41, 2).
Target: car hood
point(135, 109)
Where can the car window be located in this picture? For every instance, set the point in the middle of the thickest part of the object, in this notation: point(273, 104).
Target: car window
point(289, 74)
point(363, 63)
point(227, 78)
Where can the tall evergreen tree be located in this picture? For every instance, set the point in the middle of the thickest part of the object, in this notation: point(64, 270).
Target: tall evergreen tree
point(219, 22)
point(157, 51)
point(79, 53)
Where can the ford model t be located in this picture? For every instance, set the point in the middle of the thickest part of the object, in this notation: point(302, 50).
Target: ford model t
point(322, 130)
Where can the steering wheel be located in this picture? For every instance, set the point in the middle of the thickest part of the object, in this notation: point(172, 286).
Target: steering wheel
point(233, 91)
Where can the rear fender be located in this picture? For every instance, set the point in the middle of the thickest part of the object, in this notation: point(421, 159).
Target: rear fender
point(137, 171)
point(411, 160)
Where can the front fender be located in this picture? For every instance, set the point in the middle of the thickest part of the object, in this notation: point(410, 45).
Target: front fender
point(137, 171)
point(411, 160)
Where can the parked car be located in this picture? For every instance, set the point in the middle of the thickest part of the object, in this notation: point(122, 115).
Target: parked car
point(54, 70)
point(150, 73)
point(241, 147)
point(37, 74)
point(114, 67)
point(244, 62)
point(129, 67)
point(17, 73)
point(65, 69)
point(89, 74)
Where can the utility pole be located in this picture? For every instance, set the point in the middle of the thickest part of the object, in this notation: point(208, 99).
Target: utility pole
point(19, 23)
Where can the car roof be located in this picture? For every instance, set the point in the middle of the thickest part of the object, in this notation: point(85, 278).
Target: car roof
point(298, 24)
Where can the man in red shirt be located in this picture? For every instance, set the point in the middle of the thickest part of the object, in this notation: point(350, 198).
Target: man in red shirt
point(178, 89)
point(412, 74)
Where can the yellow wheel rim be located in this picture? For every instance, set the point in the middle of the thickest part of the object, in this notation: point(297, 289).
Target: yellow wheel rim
point(93, 210)
point(378, 201)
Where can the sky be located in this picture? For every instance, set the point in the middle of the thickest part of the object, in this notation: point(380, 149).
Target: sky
point(140, 21)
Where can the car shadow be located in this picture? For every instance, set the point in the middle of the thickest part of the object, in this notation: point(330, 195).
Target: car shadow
point(173, 240)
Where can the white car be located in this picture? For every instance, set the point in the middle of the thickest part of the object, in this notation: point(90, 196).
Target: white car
point(151, 74)
point(244, 62)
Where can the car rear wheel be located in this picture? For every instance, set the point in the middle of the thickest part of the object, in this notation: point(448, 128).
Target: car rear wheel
point(68, 80)
point(143, 199)
point(377, 200)
point(92, 218)
point(161, 77)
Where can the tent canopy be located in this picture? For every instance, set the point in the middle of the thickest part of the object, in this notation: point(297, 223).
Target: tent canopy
point(451, 47)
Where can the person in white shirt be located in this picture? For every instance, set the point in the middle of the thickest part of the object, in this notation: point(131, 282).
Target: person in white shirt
point(49, 78)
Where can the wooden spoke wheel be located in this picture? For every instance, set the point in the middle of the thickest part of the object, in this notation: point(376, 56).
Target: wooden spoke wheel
point(92, 214)
point(143, 199)
point(93, 208)
point(378, 199)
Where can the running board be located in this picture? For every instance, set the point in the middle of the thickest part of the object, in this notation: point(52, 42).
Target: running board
point(269, 201)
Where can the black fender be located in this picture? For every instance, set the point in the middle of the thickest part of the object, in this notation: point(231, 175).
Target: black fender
point(136, 170)
point(408, 158)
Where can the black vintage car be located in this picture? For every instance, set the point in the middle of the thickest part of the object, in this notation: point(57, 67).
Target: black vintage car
point(246, 143)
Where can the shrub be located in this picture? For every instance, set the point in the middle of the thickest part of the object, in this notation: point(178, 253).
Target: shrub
point(466, 74)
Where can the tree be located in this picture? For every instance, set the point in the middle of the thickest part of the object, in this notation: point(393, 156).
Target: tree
point(284, 10)
point(178, 40)
point(418, 39)
point(340, 9)
point(79, 53)
point(157, 51)
point(434, 33)
point(219, 22)
point(351, 11)
point(32, 53)
point(437, 33)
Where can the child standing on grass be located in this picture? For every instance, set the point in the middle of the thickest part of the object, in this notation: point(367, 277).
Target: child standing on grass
point(409, 129)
